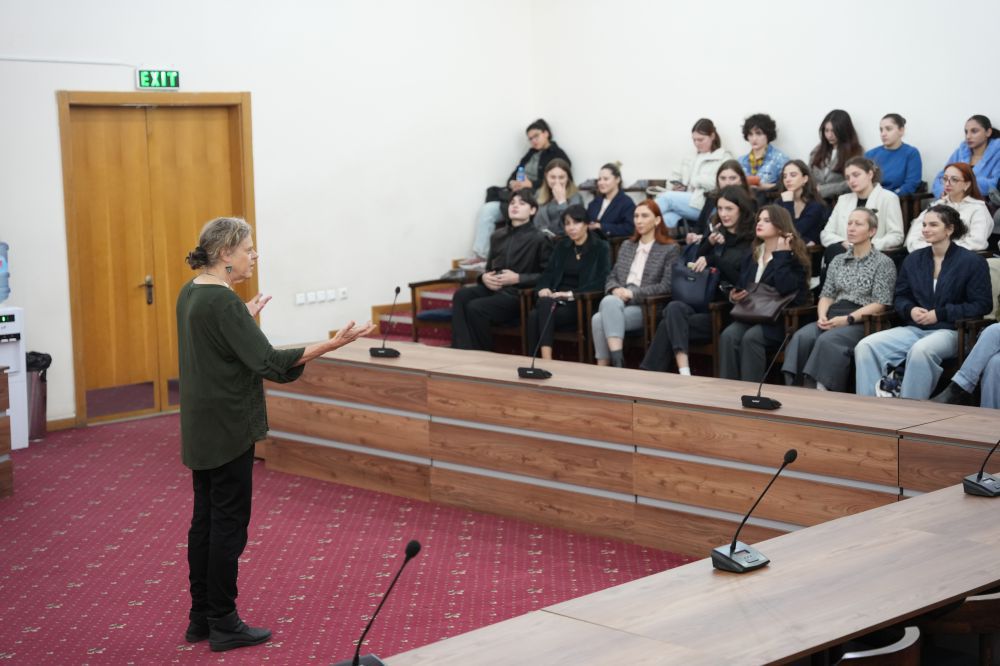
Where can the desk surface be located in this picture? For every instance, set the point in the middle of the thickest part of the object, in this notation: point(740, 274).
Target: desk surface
point(825, 584)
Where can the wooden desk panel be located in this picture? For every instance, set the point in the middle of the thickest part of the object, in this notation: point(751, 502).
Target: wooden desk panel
point(966, 425)
point(545, 459)
point(376, 386)
point(926, 466)
point(4, 390)
point(4, 434)
point(690, 534)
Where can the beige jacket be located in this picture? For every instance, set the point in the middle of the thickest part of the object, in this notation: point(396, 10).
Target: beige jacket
point(698, 173)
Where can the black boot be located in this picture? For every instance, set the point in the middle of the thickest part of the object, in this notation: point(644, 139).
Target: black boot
point(197, 629)
point(229, 631)
point(953, 394)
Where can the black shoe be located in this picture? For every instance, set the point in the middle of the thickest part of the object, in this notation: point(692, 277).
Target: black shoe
point(229, 632)
point(197, 631)
point(953, 394)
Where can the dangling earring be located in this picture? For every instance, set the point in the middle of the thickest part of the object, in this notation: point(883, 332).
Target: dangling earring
point(229, 269)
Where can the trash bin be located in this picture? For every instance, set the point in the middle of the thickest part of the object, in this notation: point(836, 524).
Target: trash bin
point(37, 364)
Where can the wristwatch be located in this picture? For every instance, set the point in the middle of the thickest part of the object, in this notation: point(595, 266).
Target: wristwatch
point(850, 320)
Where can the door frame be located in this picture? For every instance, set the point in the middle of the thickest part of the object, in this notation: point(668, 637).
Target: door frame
point(239, 107)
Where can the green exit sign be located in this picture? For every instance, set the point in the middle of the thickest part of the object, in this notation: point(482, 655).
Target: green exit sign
point(163, 79)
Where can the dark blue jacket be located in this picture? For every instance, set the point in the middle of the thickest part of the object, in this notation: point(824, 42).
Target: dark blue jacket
point(618, 219)
point(812, 220)
point(963, 287)
point(784, 273)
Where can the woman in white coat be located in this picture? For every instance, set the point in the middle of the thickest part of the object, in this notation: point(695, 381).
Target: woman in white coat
point(863, 178)
point(961, 192)
point(696, 176)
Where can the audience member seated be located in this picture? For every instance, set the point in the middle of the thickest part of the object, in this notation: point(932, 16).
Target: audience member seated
point(863, 180)
point(838, 142)
point(763, 163)
point(778, 259)
point(858, 283)
point(519, 253)
point(936, 286)
point(801, 199)
point(900, 163)
point(724, 249)
point(694, 177)
point(580, 263)
point(612, 210)
point(543, 150)
point(730, 173)
point(961, 192)
point(981, 150)
point(982, 364)
point(557, 193)
point(641, 271)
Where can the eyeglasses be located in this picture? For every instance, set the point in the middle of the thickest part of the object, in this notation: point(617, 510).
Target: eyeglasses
point(952, 180)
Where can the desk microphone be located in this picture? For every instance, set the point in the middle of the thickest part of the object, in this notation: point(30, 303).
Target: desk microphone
point(763, 402)
point(412, 549)
point(984, 485)
point(533, 372)
point(737, 556)
point(383, 351)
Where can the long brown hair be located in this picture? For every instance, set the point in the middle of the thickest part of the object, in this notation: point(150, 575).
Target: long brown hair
point(809, 191)
point(782, 219)
point(661, 234)
point(848, 145)
point(544, 193)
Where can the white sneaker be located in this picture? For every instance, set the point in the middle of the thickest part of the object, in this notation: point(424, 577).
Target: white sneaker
point(479, 265)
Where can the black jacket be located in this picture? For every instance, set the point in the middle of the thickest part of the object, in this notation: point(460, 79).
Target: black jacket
point(595, 264)
point(550, 153)
point(728, 257)
point(524, 250)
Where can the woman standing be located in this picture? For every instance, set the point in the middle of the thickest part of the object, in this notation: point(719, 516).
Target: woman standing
point(641, 271)
point(801, 199)
point(858, 283)
point(981, 151)
point(961, 192)
point(900, 163)
point(611, 211)
point(838, 142)
point(862, 178)
point(224, 359)
point(778, 259)
point(580, 262)
point(557, 193)
point(694, 177)
point(724, 250)
point(937, 286)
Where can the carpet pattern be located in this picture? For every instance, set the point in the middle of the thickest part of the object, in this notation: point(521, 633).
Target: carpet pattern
point(93, 566)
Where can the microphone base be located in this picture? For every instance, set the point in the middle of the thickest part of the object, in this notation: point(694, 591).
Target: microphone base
point(366, 660)
point(744, 558)
point(383, 352)
point(533, 373)
point(988, 486)
point(759, 402)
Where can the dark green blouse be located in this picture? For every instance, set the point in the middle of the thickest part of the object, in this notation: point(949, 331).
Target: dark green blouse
point(224, 358)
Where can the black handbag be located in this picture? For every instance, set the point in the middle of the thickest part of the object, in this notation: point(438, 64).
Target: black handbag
point(694, 289)
point(763, 305)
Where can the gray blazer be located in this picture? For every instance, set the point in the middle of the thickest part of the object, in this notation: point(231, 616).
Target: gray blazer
point(655, 276)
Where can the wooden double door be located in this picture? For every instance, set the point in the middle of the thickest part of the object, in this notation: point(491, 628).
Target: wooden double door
point(142, 173)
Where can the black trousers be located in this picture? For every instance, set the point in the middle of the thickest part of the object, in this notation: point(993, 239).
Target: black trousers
point(563, 317)
point(475, 309)
point(218, 535)
point(679, 325)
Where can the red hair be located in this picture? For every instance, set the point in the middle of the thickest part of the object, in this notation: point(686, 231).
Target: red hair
point(661, 234)
point(970, 177)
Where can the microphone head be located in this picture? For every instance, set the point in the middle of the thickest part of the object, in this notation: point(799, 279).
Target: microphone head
point(790, 456)
point(412, 549)
point(397, 290)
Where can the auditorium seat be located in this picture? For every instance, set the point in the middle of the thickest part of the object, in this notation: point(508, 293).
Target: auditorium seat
point(977, 615)
point(888, 647)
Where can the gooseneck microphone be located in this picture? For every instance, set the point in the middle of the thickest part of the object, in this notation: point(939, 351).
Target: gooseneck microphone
point(763, 402)
point(412, 549)
point(533, 372)
point(982, 484)
point(737, 556)
point(383, 351)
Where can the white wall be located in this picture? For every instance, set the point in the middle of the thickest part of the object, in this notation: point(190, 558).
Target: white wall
point(392, 116)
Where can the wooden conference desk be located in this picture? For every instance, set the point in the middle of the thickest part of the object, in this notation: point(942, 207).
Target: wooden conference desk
point(650, 458)
point(825, 585)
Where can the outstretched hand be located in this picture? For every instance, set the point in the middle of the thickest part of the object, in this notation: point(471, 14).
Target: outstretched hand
point(351, 332)
point(256, 304)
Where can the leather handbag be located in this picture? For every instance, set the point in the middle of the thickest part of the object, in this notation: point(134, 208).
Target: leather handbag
point(762, 305)
point(694, 289)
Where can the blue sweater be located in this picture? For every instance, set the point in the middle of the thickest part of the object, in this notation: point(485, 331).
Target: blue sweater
point(902, 168)
point(963, 286)
point(987, 169)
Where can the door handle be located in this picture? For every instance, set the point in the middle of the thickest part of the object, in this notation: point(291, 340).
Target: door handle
point(148, 285)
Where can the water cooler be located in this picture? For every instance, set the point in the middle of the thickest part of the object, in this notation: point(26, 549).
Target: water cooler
point(12, 355)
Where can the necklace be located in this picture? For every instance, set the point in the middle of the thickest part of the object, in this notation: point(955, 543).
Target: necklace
point(579, 252)
point(217, 278)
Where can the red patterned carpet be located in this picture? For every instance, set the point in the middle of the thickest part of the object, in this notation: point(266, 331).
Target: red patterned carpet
point(93, 567)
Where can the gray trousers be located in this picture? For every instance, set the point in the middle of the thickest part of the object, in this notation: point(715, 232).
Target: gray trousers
point(822, 356)
point(612, 320)
point(743, 352)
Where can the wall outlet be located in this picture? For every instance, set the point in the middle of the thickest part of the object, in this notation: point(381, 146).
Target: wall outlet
point(320, 295)
point(343, 293)
point(300, 298)
point(331, 294)
point(310, 297)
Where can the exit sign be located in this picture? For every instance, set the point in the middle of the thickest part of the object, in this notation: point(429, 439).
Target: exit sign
point(163, 79)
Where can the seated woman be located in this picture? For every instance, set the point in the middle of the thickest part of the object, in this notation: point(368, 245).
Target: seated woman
point(763, 163)
point(580, 262)
point(982, 364)
point(730, 173)
point(778, 259)
point(900, 163)
point(695, 176)
point(838, 142)
point(863, 179)
point(611, 211)
point(801, 199)
point(557, 193)
point(725, 250)
point(961, 192)
point(858, 283)
point(526, 175)
point(981, 150)
point(936, 286)
point(641, 271)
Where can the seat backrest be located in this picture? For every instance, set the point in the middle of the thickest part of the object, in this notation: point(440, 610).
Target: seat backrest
point(902, 652)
